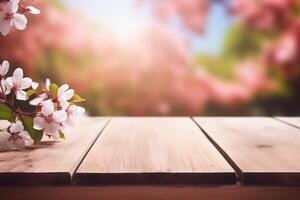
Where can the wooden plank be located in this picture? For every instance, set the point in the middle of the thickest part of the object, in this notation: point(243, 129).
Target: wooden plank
point(293, 121)
point(50, 162)
point(263, 150)
point(178, 192)
point(153, 150)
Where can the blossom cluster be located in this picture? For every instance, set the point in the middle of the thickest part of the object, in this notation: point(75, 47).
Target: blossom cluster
point(52, 108)
point(52, 111)
point(275, 16)
point(13, 15)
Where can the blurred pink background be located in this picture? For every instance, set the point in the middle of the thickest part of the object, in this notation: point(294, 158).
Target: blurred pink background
point(165, 57)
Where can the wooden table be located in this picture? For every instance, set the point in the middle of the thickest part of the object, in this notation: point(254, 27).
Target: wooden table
point(160, 158)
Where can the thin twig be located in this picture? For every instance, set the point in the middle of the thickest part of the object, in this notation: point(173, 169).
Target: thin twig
point(17, 111)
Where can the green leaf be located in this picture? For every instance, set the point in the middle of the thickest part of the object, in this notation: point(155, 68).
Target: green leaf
point(77, 99)
point(53, 89)
point(62, 135)
point(36, 135)
point(6, 113)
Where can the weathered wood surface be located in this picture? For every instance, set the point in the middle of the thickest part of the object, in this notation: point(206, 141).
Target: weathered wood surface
point(294, 121)
point(50, 163)
point(262, 150)
point(186, 192)
point(153, 150)
point(163, 150)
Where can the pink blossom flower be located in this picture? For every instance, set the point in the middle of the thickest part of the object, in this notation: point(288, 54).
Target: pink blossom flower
point(9, 17)
point(18, 84)
point(14, 137)
point(73, 112)
point(263, 14)
point(64, 94)
point(49, 119)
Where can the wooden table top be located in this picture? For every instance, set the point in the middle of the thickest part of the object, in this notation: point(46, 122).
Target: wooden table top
point(163, 150)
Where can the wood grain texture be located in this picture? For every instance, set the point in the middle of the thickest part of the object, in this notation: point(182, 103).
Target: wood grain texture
point(152, 192)
point(294, 121)
point(263, 150)
point(50, 162)
point(153, 150)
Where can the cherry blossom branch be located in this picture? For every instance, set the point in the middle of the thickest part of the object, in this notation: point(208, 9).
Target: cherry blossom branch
point(54, 106)
point(54, 109)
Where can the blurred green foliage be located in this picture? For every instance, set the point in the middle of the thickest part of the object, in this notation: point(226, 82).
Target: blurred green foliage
point(239, 45)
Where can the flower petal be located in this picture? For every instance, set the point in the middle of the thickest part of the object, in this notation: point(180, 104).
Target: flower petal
point(24, 135)
point(33, 10)
point(39, 123)
point(47, 84)
point(35, 101)
point(69, 94)
point(19, 21)
point(51, 128)
point(4, 68)
point(16, 127)
point(48, 108)
point(34, 85)
point(62, 89)
point(9, 83)
point(63, 103)
point(55, 135)
point(3, 88)
point(18, 75)
point(60, 116)
point(76, 110)
point(7, 92)
point(38, 99)
point(25, 83)
point(21, 95)
point(80, 110)
point(13, 6)
point(5, 26)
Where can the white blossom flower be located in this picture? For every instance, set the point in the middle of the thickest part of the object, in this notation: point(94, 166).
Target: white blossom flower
point(64, 94)
point(42, 97)
point(9, 17)
point(17, 84)
point(14, 137)
point(73, 113)
point(50, 120)
point(4, 68)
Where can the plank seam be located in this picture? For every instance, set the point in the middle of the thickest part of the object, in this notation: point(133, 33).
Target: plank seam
point(240, 177)
point(285, 122)
point(88, 150)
